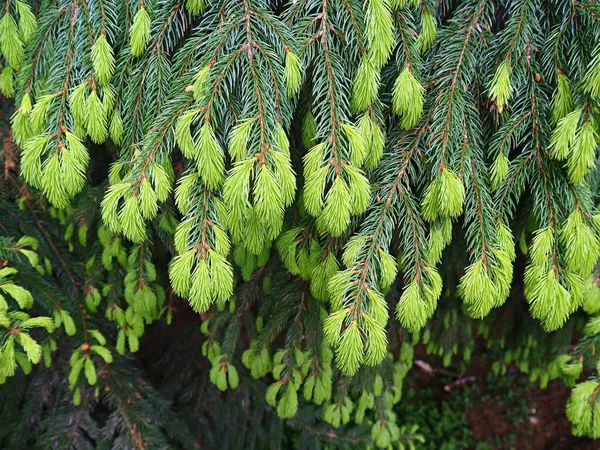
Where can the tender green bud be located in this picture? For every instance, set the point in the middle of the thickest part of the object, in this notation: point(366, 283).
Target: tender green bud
point(110, 206)
point(21, 126)
point(68, 323)
point(350, 352)
point(583, 155)
point(564, 135)
point(414, 308)
point(499, 170)
point(314, 186)
point(338, 285)
point(131, 219)
point(562, 100)
point(541, 245)
point(357, 144)
point(288, 405)
point(365, 86)
point(180, 271)
point(183, 133)
point(335, 217)
point(353, 249)
point(321, 274)
point(333, 323)
point(103, 59)
point(506, 241)
point(200, 292)
point(376, 342)
point(428, 31)
point(583, 408)
point(222, 243)
point(374, 140)
point(52, 181)
point(115, 127)
point(481, 289)
point(500, 88)
point(379, 27)
point(389, 268)
point(183, 193)
point(259, 362)
point(376, 148)
point(6, 82)
point(78, 105)
point(591, 80)
point(27, 22)
point(39, 112)
point(571, 367)
point(139, 34)
point(268, 201)
point(309, 130)
point(96, 118)
point(201, 80)
point(444, 197)
point(439, 237)
point(232, 376)
point(210, 158)
point(11, 44)
point(148, 200)
point(195, 7)
point(238, 139)
point(591, 296)
point(313, 160)
point(360, 190)
point(103, 352)
point(283, 142)
point(235, 194)
point(74, 163)
point(21, 295)
point(31, 165)
point(286, 178)
point(221, 277)
point(581, 244)
point(292, 72)
point(549, 301)
point(384, 433)
point(408, 98)
point(26, 103)
point(90, 372)
point(109, 96)
point(287, 246)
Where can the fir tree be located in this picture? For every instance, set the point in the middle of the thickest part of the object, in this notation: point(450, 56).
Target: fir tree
point(325, 183)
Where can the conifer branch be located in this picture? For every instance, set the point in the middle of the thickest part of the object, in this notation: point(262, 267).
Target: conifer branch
point(166, 146)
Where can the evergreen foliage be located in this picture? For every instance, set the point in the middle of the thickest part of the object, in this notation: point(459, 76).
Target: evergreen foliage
point(296, 172)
